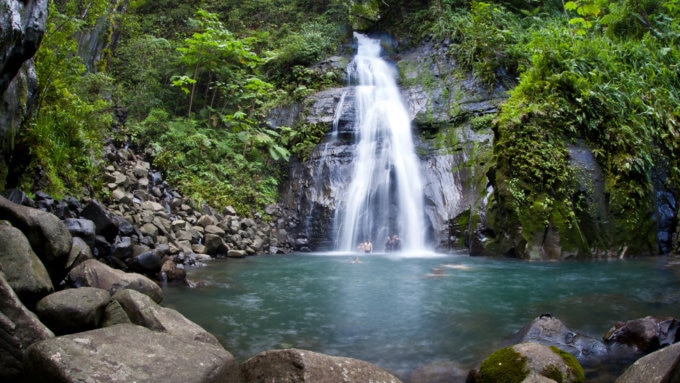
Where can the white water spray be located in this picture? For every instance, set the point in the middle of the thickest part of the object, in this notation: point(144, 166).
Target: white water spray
point(385, 196)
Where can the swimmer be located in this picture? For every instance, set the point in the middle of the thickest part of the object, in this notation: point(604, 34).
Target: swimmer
point(457, 267)
point(355, 260)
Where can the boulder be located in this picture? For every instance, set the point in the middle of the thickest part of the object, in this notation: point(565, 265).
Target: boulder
point(661, 366)
point(46, 233)
point(93, 273)
point(103, 224)
point(80, 252)
point(215, 245)
point(73, 310)
point(148, 263)
point(19, 328)
point(170, 271)
point(550, 331)
point(144, 312)
point(23, 270)
point(83, 228)
point(530, 362)
point(127, 353)
point(114, 314)
point(302, 366)
point(643, 335)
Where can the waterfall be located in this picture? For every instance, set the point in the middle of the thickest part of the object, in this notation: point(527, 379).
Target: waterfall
point(385, 193)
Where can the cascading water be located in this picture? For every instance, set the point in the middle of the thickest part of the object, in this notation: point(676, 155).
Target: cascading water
point(385, 194)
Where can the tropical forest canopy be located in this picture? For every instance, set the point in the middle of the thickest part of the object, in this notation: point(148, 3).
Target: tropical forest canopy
point(192, 83)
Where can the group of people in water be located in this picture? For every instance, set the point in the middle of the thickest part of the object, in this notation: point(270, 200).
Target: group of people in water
point(392, 243)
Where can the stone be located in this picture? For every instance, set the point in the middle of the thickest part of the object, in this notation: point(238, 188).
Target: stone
point(205, 220)
point(103, 224)
point(82, 228)
point(93, 273)
point(23, 270)
point(122, 248)
point(114, 314)
point(171, 272)
point(19, 328)
point(661, 366)
point(121, 197)
point(148, 263)
point(302, 366)
point(216, 230)
point(643, 335)
point(144, 312)
point(47, 234)
point(531, 362)
point(73, 310)
point(214, 244)
point(127, 353)
point(149, 229)
point(80, 251)
point(550, 331)
point(235, 253)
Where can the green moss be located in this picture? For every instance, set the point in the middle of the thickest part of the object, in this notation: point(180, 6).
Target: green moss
point(553, 372)
point(573, 364)
point(503, 366)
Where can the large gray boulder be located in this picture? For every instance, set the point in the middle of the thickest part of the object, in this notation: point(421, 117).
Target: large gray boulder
point(145, 312)
point(530, 362)
point(550, 331)
point(73, 310)
point(642, 335)
point(93, 273)
point(19, 328)
point(127, 353)
point(47, 234)
point(302, 366)
point(662, 366)
point(23, 269)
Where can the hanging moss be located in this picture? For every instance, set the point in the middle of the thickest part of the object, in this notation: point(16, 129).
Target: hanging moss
point(504, 366)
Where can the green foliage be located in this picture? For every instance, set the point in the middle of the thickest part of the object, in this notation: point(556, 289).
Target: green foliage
point(620, 96)
point(303, 138)
point(503, 366)
point(481, 38)
point(65, 137)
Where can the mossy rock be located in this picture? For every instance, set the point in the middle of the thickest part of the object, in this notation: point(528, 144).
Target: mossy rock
point(504, 366)
point(516, 363)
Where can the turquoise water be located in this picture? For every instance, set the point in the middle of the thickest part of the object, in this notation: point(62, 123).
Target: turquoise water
point(396, 313)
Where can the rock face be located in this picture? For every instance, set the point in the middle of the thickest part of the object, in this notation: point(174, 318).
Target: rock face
point(454, 178)
point(22, 25)
point(127, 353)
point(301, 366)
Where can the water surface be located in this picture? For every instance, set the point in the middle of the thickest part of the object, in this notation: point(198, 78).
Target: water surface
point(404, 312)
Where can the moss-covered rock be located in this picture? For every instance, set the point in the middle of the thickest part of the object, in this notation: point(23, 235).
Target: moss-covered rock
point(524, 361)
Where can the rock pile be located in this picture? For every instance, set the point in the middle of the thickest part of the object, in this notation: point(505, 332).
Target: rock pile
point(66, 315)
point(146, 227)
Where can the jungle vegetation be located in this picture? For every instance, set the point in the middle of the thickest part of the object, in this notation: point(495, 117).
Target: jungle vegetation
point(193, 82)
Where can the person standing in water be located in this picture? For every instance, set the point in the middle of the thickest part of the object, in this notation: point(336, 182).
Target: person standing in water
point(396, 243)
point(368, 246)
point(388, 244)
